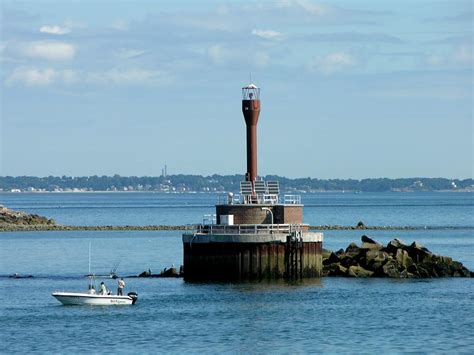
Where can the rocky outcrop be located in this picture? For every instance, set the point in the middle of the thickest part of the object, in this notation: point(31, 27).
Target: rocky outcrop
point(395, 260)
point(16, 218)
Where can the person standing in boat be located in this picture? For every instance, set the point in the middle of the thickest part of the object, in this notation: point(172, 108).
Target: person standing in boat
point(103, 289)
point(120, 287)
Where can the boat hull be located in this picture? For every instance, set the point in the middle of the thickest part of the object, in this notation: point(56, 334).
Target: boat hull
point(78, 299)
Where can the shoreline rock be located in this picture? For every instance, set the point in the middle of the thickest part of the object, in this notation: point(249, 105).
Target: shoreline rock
point(395, 260)
point(19, 218)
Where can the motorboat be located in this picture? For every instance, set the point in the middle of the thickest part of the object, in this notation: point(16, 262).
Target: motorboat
point(87, 298)
point(91, 297)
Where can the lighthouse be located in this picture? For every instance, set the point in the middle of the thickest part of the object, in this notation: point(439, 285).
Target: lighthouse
point(258, 232)
point(251, 111)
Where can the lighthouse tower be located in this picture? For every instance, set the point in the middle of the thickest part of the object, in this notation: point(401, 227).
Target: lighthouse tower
point(251, 111)
point(258, 233)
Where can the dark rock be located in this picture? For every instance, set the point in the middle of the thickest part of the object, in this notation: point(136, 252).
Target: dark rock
point(366, 239)
point(352, 248)
point(424, 270)
point(375, 259)
point(360, 225)
point(359, 271)
point(332, 259)
point(326, 253)
point(396, 260)
point(340, 252)
point(413, 270)
point(145, 273)
point(418, 252)
point(375, 246)
point(335, 270)
point(394, 245)
point(171, 272)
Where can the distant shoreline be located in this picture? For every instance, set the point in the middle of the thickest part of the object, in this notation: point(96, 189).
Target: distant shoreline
point(182, 183)
point(65, 228)
point(225, 192)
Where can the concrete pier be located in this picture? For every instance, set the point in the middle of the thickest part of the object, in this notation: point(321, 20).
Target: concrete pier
point(240, 257)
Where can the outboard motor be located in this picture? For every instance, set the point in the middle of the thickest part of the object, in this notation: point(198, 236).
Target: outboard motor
point(133, 296)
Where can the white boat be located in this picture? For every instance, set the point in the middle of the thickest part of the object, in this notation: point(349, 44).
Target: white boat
point(78, 298)
point(91, 297)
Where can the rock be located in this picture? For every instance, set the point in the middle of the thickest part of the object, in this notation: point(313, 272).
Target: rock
point(332, 259)
point(396, 260)
point(360, 225)
point(366, 239)
point(390, 269)
point(354, 252)
point(352, 248)
point(171, 272)
point(145, 273)
point(17, 218)
point(418, 252)
point(375, 259)
point(403, 259)
point(375, 246)
point(335, 270)
point(326, 253)
point(358, 271)
point(413, 270)
point(394, 245)
point(340, 252)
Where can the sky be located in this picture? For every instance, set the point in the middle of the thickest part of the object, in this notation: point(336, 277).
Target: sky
point(349, 89)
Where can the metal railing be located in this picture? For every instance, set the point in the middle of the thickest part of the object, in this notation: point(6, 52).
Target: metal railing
point(242, 229)
point(267, 199)
point(292, 199)
point(209, 219)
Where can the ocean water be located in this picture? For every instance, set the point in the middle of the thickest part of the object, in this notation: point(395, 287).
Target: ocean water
point(382, 209)
point(322, 315)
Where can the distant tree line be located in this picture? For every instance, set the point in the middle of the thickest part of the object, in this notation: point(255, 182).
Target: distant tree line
point(223, 183)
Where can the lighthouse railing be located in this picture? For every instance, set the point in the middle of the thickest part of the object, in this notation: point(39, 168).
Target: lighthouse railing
point(244, 229)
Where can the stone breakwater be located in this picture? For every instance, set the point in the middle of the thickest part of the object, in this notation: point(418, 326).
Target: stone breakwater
point(20, 219)
point(28, 227)
point(394, 260)
point(63, 228)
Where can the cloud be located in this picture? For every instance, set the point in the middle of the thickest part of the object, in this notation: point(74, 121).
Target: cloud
point(120, 25)
point(349, 37)
point(50, 50)
point(307, 6)
point(48, 76)
point(461, 17)
point(129, 53)
point(219, 54)
point(332, 63)
point(222, 55)
point(267, 34)
point(461, 56)
point(55, 30)
point(133, 76)
point(41, 77)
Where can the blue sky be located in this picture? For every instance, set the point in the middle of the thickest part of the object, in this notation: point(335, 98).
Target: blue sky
point(349, 88)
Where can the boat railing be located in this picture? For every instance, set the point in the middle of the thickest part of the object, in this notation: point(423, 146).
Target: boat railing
point(242, 229)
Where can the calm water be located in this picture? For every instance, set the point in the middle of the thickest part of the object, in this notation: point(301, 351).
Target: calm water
point(415, 209)
point(330, 315)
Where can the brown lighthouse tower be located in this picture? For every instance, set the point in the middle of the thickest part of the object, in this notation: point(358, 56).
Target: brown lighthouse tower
point(256, 234)
point(251, 111)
